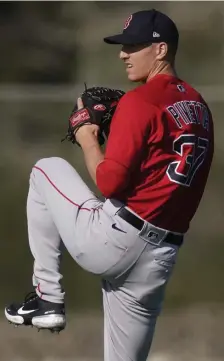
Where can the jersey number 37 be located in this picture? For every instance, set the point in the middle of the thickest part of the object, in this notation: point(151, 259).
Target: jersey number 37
point(192, 152)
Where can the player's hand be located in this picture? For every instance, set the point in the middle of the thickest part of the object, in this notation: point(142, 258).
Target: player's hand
point(87, 131)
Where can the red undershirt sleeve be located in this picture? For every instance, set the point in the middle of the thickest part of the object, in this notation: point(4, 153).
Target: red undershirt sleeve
point(127, 142)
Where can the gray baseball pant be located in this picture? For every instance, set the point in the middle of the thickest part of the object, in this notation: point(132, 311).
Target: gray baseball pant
point(134, 270)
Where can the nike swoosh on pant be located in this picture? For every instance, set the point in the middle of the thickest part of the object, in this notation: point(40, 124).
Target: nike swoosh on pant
point(21, 311)
point(118, 229)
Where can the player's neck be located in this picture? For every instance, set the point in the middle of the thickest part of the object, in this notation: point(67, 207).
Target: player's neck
point(162, 68)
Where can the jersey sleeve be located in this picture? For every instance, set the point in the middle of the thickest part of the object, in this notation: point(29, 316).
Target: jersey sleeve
point(126, 146)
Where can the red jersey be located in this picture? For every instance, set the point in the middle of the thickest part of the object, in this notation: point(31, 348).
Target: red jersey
point(159, 152)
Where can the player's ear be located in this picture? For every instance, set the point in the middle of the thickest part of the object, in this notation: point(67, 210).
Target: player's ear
point(161, 50)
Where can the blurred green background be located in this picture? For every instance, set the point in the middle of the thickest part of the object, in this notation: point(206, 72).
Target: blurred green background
point(48, 50)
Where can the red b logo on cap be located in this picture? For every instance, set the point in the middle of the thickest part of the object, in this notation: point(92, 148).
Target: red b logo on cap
point(127, 22)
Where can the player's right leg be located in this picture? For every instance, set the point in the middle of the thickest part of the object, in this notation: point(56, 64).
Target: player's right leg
point(133, 302)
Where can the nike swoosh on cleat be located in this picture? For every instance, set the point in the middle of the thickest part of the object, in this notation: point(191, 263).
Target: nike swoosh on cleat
point(21, 311)
point(118, 229)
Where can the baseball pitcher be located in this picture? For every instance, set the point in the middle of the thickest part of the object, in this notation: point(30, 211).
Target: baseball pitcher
point(159, 150)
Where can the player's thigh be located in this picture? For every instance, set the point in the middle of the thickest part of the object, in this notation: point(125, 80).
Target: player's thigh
point(58, 181)
point(65, 195)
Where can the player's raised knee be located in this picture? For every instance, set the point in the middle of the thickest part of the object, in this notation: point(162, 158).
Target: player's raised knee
point(48, 162)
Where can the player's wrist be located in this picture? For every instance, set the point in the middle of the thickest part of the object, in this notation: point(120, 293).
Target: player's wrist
point(87, 135)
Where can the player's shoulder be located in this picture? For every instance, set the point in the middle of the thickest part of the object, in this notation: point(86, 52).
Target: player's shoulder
point(164, 88)
point(133, 99)
point(194, 94)
point(132, 95)
point(140, 95)
point(190, 89)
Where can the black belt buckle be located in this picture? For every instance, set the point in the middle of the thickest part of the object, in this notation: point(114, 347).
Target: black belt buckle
point(154, 238)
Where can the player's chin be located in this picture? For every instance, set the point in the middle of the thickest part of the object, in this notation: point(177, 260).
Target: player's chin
point(134, 77)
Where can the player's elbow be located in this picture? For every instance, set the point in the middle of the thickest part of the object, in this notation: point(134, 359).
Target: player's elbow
point(111, 178)
point(109, 191)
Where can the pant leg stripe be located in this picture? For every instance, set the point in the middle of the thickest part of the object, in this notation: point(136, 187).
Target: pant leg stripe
point(62, 194)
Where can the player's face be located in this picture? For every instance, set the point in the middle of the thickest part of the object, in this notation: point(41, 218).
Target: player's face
point(140, 60)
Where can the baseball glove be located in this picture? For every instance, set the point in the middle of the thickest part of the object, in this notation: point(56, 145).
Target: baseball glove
point(99, 106)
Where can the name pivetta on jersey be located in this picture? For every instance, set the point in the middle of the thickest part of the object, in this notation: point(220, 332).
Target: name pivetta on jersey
point(174, 176)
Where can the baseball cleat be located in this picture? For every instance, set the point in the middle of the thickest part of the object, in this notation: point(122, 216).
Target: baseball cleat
point(37, 312)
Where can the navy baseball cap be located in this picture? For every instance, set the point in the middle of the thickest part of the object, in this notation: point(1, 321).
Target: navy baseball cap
point(147, 26)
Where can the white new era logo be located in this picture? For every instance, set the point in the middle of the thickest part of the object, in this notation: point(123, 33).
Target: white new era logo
point(155, 34)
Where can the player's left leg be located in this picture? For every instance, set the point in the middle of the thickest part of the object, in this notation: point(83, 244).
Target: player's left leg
point(133, 303)
point(59, 205)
